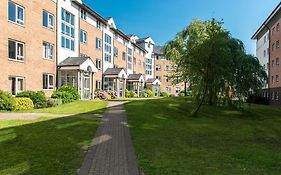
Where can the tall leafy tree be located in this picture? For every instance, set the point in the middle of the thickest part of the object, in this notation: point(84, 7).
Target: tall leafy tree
point(214, 63)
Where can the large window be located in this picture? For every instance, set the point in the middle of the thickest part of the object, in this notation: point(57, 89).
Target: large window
point(83, 14)
point(67, 30)
point(16, 85)
point(68, 77)
point(16, 50)
point(48, 81)
point(107, 48)
point(130, 58)
point(48, 20)
point(48, 50)
point(15, 13)
point(83, 36)
point(148, 66)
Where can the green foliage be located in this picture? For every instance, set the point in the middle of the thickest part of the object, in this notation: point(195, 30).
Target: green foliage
point(130, 94)
point(164, 94)
point(38, 98)
point(147, 93)
point(214, 63)
point(7, 102)
point(53, 102)
point(23, 103)
point(66, 93)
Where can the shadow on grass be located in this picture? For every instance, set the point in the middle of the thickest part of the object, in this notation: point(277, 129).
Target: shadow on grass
point(46, 146)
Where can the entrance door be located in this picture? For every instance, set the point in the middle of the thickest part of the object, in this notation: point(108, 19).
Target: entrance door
point(86, 86)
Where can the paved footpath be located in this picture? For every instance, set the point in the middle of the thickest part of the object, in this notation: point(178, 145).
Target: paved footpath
point(111, 152)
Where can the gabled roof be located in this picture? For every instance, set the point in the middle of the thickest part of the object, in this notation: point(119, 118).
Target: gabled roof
point(111, 22)
point(134, 76)
point(73, 61)
point(153, 81)
point(158, 50)
point(113, 71)
point(265, 23)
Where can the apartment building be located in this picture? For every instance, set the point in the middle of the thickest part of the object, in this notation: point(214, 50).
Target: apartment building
point(164, 72)
point(28, 45)
point(268, 38)
point(47, 44)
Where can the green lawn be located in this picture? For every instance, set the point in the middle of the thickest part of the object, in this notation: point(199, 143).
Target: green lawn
point(45, 146)
point(76, 107)
point(168, 141)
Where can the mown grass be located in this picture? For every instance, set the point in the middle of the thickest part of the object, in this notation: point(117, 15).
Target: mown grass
point(77, 107)
point(168, 141)
point(45, 146)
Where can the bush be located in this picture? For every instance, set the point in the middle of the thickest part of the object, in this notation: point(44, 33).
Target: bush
point(23, 103)
point(112, 94)
point(7, 102)
point(147, 93)
point(127, 93)
point(53, 102)
point(102, 95)
point(38, 98)
point(66, 93)
point(164, 94)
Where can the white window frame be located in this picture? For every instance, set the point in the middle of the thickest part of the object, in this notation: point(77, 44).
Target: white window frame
point(83, 36)
point(17, 20)
point(98, 64)
point(107, 48)
point(98, 43)
point(49, 86)
point(98, 24)
point(48, 51)
point(49, 24)
point(17, 78)
point(19, 58)
point(98, 84)
point(83, 14)
point(68, 35)
point(130, 58)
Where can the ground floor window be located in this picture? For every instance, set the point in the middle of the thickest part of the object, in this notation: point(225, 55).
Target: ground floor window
point(178, 90)
point(109, 84)
point(68, 77)
point(98, 84)
point(168, 90)
point(48, 81)
point(16, 85)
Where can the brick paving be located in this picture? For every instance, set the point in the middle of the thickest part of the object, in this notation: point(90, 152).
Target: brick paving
point(111, 152)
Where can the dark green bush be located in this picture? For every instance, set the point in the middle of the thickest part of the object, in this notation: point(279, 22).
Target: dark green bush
point(66, 93)
point(164, 94)
point(7, 102)
point(38, 98)
point(53, 102)
point(23, 103)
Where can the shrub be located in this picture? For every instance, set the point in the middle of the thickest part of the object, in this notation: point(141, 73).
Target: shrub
point(23, 103)
point(38, 98)
point(7, 102)
point(102, 95)
point(164, 94)
point(53, 102)
point(66, 93)
point(127, 93)
point(97, 90)
point(112, 94)
point(133, 94)
point(147, 93)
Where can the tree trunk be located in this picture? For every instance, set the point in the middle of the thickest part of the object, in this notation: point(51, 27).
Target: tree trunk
point(185, 89)
point(199, 104)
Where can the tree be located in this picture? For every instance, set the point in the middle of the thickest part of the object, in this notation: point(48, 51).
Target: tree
point(214, 63)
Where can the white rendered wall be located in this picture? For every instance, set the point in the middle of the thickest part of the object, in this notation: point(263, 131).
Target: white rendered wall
point(106, 64)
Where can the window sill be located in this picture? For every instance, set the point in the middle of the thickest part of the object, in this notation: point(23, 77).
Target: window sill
point(14, 60)
point(21, 25)
point(48, 59)
point(50, 29)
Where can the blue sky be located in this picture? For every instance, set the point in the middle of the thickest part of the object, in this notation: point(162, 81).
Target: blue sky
point(162, 19)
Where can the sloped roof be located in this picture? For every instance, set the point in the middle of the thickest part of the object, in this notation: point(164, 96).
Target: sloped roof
point(158, 50)
point(142, 39)
point(113, 71)
point(134, 76)
point(74, 61)
point(150, 80)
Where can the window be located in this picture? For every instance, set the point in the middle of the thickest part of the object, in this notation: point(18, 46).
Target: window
point(130, 58)
point(98, 43)
point(83, 14)
point(158, 68)
point(16, 85)
point(272, 95)
point(168, 90)
point(158, 77)
point(48, 50)
point(278, 27)
point(48, 81)
point(273, 63)
point(277, 44)
point(264, 39)
point(83, 36)
point(98, 24)
point(264, 53)
point(277, 78)
point(15, 13)
point(16, 50)
point(277, 96)
point(168, 79)
point(107, 48)
point(115, 51)
point(98, 64)
point(135, 61)
point(178, 90)
point(148, 66)
point(67, 30)
point(98, 84)
point(123, 56)
point(168, 68)
point(48, 20)
point(277, 61)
